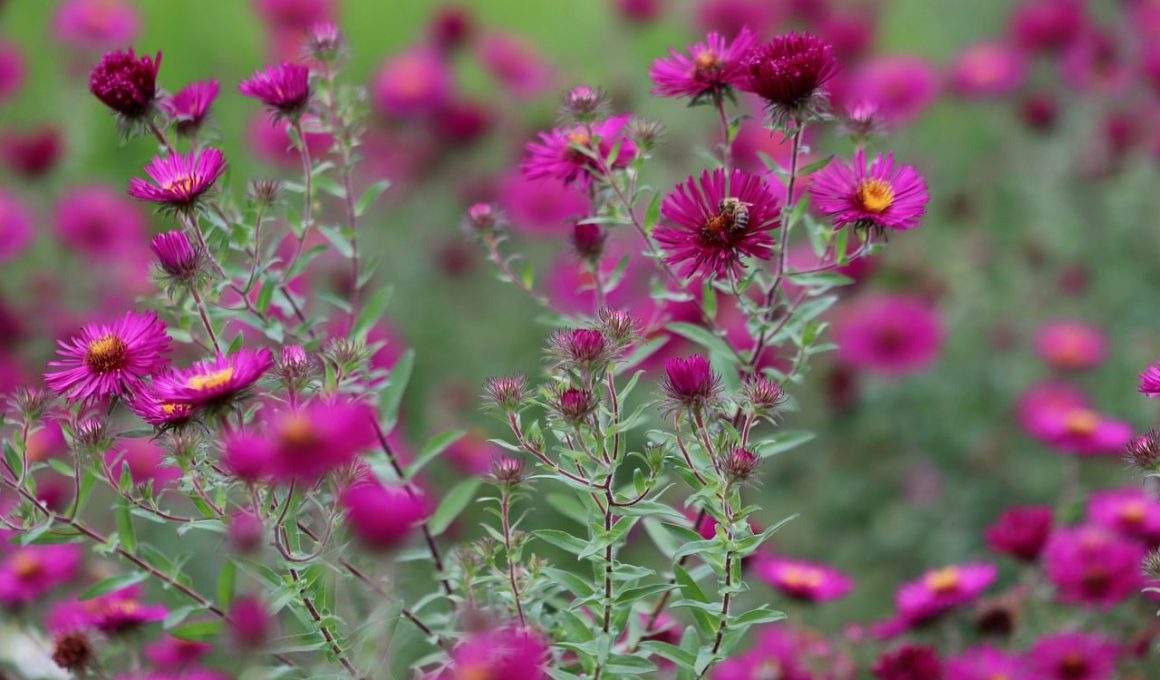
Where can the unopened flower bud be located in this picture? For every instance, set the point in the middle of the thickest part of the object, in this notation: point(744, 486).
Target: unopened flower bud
point(264, 192)
point(507, 393)
point(588, 241)
point(740, 463)
point(575, 405)
point(324, 42)
point(508, 471)
point(483, 219)
point(1143, 451)
point(583, 104)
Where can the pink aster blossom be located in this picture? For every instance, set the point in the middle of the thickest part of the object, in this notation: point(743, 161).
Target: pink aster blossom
point(1075, 428)
point(988, 70)
point(1093, 567)
point(12, 70)
point(118, 612)
point(251, 622)
point(789, 71)
point(889, 334)
point(515, 64)
point(1021, 532)
point(1071, 344)
point(96, 24)
point(1095, 62)
point(986, 663)
point(803, 580)
point(540, 206)
point(780, 651)
point(557, 153)
point(284, 89)
point(174, 653)
point(882, 196)
point(901, 88)
point(189, 108)
point(29, 573)
point(213, 380)
point(145, 461)
point(1130, 512)
point(382, 516)
point(296, 15)
point(690, 382)
point(730, 17)
point(16, 227)
point(710, 223)
point(940, 590)
point(472, 454)
point(179, 180)
point(161, 414)
point(709, 69)
point(413, 84)
point(508, 652)
point(1150, 381)
point(32, 153)
point(1037, 406)
point(110, 359)
point(1073, 656)
point(99, 222)
point(1047, 25)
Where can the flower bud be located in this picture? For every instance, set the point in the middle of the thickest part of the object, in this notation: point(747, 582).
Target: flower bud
point(740, 463)
point(483, 219)
point(507, 393)
point(324, 42)
point(176, 255)
point(588, 241)
point(618, 325)
point(690, 383)
point(575, 405)
point(264, 192)
point(579, 348)
point(73, 652)
point(246, 532)
point(583, 104)
point(508, 471)
point(1143, 452)
point(764, 397)
point(250, 622)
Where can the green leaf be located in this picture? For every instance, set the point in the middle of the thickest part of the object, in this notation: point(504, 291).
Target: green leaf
point(689, 587)
point(815, 166)
point(819, 279)
point(455, 502)
point(432, 449)
point(226, 582)
point(392, 393)
point(704, 338)
point(371, 195)
point(125, 527)
point(371, 313)
point(113, 584)
point(653, 214)
point(641, 592)
point(781, 442)
point(575, 585)
point(673, 653)
point(563, 540)
point(757, 616)
point(203, 631)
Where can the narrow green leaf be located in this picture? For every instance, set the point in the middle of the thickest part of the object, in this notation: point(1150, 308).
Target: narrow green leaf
point(454, 503)
point(392, 393)
point(125, 527)
point(432, 449)
point(371, 313)
point(371, 195)
point(113, 584)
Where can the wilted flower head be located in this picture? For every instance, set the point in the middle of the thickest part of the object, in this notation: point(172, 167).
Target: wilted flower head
point(690, 383)
point(189, 108)
point(507, 393)
point(1021, 532)
point(803, 580)
point(110, 359)
point(708, 71)
point(176, 256)
point(790, 73)
point(126, 83)
point(179, 180)
point(31, 403)
point(91, 435)
point(381, 516)
point(711, 223)
point(284, 89)
point(73, 651)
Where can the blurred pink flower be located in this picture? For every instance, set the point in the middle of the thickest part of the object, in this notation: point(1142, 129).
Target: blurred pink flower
point(1071, 344)
point(12, 70)
point(888, 334)
point(808, 581)
point(1092, 567)
point(988, 70)
point(1096, 62)
point(29, 573)
point(515, 63)
point(509, 653)
point(729, 17)
point(118, 612)
point(709, 69)
point(32, 153)
point(1021, 532)
point(540, 206)
point(554, 154)
point(16, 227)
point(1046, 25)
point(96, 24)
point(940, 590)
point(1130, 512)
point(986, 663)
point(270, 140)
point(381, 516)
point(900, 87)
point(145, 461)
point(100, 222)
point(1073, 656)
point(412, 84)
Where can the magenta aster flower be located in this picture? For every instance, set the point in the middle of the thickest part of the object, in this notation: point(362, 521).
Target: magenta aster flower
point(1071, 344)
point(690, 382)
point(32, 153)
point(709, 70)
point(909, 662)
point(96, 24)
point(539, 206)
point(1073, 656)
point(1150, 381)
point(172, 652)
point(98, 221)
point(161, 414)
point(1021, 532)
point(214, 380)
point(790, 71)
point(382, 517)
point(189, 107)
point(1131, 512)
point(126, 83)
point(12, 70)
point(881, 196)
point(988, 70)
point(515, 64)
point(941, 590)
point(1047, 25)
point(284, 89)
point(16, 227)
point(509, 653)
point(889, 334)
point(110, 359)
point(412, 84)
point(251, 622)
point(1092, 567)
point(711, 223)
point(179, 180)
point(176, 256)
point(803, 580)
point(566, 154)
point(986, 663)
point(899, 88)
point(780, 652)
point(31, 572)
point(118, 612)
point(1079, 430)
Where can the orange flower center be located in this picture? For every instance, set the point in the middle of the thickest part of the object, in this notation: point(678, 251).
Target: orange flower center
point(1082, 422)
point(182, 185)
point(211, 381)
point(106, 354)
point(1133, 512)
point(801, 577)
point(706, 60)
point(297, 433)
point(176, 409)
point(875, 196)
point(944, 581)
point(25, 564)
point(1073, 664)
point(474, 672)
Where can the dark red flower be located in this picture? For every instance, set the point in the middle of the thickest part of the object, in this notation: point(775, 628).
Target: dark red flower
point(126, 83)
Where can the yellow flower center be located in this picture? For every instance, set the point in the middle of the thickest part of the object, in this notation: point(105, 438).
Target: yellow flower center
point(106, 354)
point(1133, 512)
point(944, 581)
point(25, 564)
point(298, 433)
point(182, 185)
point(211, 381)
point(797, 576)
point(474, 672)
point(579, 138)
point(706, 60)
point(1081, 421)
point(875, 196)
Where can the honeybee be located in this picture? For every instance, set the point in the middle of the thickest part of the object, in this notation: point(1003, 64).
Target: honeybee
point(738, 212)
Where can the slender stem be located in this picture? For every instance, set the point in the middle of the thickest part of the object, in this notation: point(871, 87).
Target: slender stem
point(527, 446)
point(308, 207)
point(505, 517)
point(205, 318)
point(160, 135)
point(496, 256)
point(326, 633)
point(341, 133)
point(727, 143)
